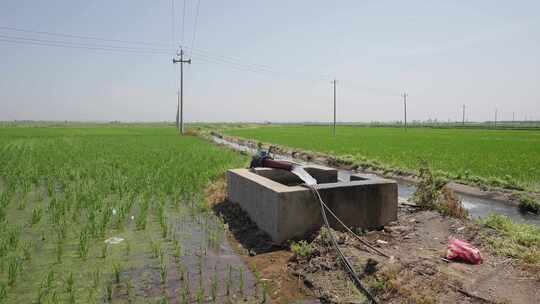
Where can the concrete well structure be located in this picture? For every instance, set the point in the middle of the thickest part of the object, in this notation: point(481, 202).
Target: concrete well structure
point(281, 206)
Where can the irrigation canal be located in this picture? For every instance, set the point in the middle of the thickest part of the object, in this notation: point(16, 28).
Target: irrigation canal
point(478, 207)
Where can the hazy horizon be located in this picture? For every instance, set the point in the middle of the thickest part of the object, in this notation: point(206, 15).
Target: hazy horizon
point(257, 62)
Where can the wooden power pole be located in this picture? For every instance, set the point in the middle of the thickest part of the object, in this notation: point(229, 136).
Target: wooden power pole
point(180, 110)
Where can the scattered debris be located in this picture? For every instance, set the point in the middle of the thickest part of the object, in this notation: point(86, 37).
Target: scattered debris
point(114, 240)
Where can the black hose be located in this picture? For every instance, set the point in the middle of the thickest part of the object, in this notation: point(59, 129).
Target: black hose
point(344, 260)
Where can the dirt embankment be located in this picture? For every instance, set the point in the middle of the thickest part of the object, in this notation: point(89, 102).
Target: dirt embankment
point(416, 271)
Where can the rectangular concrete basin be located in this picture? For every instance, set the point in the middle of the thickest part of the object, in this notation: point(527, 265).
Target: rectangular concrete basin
point(281, 206)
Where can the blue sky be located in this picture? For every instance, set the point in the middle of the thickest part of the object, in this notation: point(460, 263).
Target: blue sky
point(443, 53)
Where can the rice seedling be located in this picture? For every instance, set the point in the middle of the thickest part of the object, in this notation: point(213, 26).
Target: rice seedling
point(241, 281)
point(49, 280)
point(163, 272)
point(54, 297)
point(3, 292)
point(14, 267)
point(141, 220)
point(14, 235)
point(185, 297)
point(27, 250)
point(214, 286)
point(108, 292)
point(164, 228)
point(37, 214)
point(2, 213)
point(163, 300)
point(104, 250)
point(257, 275)
point(70, 282)
point(200, 295)
point(181, 270)
point(177, 250)
point(83, 244)
point(130, 290)
point(116, 270)
point(155, 248)
point(22, 204)
point(59, 251)
point(96, 277)
point(128, 248)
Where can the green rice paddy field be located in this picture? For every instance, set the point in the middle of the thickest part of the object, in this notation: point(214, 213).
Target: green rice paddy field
point(495, 157)
point(65, 192)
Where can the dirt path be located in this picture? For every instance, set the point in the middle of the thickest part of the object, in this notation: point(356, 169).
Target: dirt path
point(416, 271)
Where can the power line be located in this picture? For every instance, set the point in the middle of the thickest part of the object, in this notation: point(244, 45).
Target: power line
point(82, 44)
point(173, 25)
point(105, 47)
point(39, 43)
point(82, 36)
point(195, 24)
point(145, 47)
point(183, 21)
point(156, 47)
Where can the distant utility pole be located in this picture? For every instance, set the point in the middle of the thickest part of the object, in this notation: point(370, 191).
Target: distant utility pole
point(334, 83)
point(463, 121)
point(178, 109)
point(405, 110)
point(495, 121)
point(513, 117)
point(180, 59)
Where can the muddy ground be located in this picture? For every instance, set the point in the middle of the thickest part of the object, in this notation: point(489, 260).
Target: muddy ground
point(414, 272)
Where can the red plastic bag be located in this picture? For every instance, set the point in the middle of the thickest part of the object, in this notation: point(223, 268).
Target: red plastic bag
point(463, 251)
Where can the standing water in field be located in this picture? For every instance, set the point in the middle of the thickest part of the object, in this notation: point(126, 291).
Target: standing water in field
point(303, 175)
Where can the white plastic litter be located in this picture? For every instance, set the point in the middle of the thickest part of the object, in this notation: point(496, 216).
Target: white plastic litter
point(114, 240)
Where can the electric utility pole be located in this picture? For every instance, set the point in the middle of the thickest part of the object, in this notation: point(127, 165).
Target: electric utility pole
point(178, 109)
point(405, 110)
point(463, 121)
point(495, 121)
point(180, 59)
point(334, 82)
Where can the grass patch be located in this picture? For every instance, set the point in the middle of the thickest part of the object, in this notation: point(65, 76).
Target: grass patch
point(431, 193)
point(529, 204)
point(302, 249)
point(520, 241)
